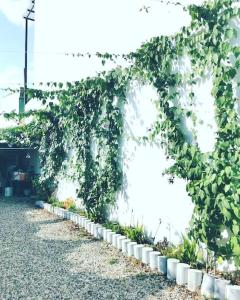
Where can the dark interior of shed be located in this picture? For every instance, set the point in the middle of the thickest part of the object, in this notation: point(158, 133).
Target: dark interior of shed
point(16, 171)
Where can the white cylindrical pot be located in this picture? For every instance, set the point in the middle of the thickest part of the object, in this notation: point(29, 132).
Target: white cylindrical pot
point(89, 227)
point(83, 219)
point(162, 264)
point(130, 248)
point(114, 239)
point(232, 292)
point(105, 231)
point(207, 288)
point(138, 251)
point(95, 231)
point(194, 280)
point(39, 204)
point(74, 218)
point(86, 223)
point(109, 236)
point(220, 288)
point(66, 215)
point(92, 228)
point(153, 263)
point(182, 273)
point(71, 216)
point(63, 213)
point(145, 254)
point(119, 241)
point(100, 231)
point(172, 268)
point(8, 191)
point(79, 220)
point(124, 245)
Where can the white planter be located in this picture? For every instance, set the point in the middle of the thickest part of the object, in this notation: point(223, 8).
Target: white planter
point(39, 204)
point(125, 243)
point(114, 239)
point(105, 231)
point(83, 219)
point(162, 264)
point(220, 288)
point(65, 216)
point(61, 212)
point(172, 268)
point(130, 248)
point(145, 254)
point(194, 280)
point(100, 232)
point(138, 251)
point(207, 288)
point(92, 228)
point(96, 232)
point(79, 220)
point(71, 216)
point(57, 211)
point(89, 227)
point(232, 292)
point(153, 259)
point(8, 191)
point(182, 273)
point(47, 206)
point(86, 223)
point(119, 241)
point(109, 236)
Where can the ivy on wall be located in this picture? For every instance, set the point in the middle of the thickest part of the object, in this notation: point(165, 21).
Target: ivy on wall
point(88, 115)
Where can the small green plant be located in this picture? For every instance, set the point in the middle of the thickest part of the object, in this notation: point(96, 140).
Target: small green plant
point(113, 261)
point(115, 226)
point(53, 201)
point(72, 207)
point(189, 251)
point(163, 246)
point(186, 252)
point(136, 234)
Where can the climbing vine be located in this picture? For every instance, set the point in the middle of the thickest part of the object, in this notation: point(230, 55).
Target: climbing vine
point(88, 116)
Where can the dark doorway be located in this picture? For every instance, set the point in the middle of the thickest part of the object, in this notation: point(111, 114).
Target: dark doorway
point(18, 168)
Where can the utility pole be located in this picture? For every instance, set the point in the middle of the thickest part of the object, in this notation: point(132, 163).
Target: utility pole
point(28, 17)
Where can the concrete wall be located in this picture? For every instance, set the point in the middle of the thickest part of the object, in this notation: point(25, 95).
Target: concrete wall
point(117, 26)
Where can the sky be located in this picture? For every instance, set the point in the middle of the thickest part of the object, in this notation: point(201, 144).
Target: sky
point(12, 35)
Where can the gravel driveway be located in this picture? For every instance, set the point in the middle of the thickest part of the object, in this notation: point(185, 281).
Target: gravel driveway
point(44, 257)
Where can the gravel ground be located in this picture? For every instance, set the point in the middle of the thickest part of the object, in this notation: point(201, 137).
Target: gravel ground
point(44, 257)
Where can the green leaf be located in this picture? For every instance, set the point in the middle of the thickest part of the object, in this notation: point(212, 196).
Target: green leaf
point(226, 188)
point(235, 229)
point(231, 33)
point(214, 188)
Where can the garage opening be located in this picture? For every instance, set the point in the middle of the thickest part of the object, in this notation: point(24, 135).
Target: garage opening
point(18, 169)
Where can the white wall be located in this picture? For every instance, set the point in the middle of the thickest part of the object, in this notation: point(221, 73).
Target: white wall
point(8, 103)
point(118, 26)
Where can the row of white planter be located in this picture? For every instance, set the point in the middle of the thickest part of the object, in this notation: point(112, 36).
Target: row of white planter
point(195, 280)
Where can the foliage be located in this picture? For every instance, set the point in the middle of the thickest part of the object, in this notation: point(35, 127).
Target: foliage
point(186, 252)
point(134, 233)
point(90, 113)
